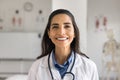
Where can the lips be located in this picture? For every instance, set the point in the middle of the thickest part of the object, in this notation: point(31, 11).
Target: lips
point(62, 39)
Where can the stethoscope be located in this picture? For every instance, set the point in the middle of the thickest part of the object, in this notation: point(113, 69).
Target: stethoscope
point(67, 73)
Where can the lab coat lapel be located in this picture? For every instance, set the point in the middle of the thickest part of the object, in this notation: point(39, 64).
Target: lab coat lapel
point(55, 72)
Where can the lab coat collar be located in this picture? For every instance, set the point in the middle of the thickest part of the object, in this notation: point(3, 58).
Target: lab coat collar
point(78, 61)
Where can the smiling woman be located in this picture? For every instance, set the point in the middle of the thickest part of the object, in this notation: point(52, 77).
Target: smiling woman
point(61, 32)
point(61, 58)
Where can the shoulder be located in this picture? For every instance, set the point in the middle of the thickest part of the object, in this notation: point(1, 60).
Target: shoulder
point(87, 66)
point(85, 62)
point(34, 68)
point(38, 62)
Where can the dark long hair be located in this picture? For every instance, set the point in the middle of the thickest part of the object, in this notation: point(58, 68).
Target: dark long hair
point(47, 44)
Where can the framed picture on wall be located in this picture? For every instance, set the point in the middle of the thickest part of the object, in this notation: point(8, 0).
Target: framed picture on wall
point(23, 16)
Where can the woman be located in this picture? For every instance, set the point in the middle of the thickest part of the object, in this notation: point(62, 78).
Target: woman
point(61, 58)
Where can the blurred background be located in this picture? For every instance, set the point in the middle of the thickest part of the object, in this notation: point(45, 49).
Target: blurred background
point(22, 24)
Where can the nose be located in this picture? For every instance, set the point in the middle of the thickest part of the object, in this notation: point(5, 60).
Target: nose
point(61, 31)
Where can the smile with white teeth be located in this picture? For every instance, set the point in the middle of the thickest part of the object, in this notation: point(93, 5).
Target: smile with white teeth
point(62, 38)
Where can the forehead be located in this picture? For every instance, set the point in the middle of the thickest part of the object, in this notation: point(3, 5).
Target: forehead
point(61, 18)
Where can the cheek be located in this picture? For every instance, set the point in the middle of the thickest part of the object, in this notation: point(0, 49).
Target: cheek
point(72, 34)
point(51, 35)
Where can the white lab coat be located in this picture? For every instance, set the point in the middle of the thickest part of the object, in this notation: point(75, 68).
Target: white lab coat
point(84, 69)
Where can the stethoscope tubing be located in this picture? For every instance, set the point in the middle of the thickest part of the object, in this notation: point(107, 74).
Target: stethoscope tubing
point(66, 72)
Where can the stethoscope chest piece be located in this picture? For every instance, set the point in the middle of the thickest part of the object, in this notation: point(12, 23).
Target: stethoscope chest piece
point(69, 76)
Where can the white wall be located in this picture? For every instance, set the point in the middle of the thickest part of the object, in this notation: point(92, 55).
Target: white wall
point(29, 19)
point(22, 41)
point(96, 39)
point(20, 45)
point(79, 10)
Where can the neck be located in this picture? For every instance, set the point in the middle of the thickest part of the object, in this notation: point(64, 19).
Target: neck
point(62, 54)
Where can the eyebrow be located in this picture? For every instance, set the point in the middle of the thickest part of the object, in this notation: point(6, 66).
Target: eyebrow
point(58, 24)
point(55, 24)
point(67, 23)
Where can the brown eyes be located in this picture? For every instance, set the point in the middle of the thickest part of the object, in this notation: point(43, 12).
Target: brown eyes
point(57, 26)
point(67, 26)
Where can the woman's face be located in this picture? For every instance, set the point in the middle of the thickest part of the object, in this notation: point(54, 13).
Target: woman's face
point(61, 30)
